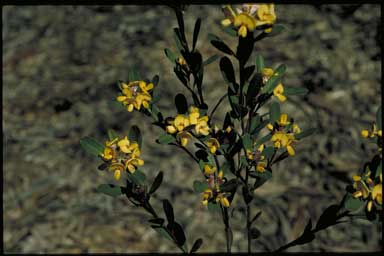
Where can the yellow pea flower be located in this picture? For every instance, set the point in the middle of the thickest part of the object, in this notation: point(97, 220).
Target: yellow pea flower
point(133, 163)
point(180, 122)
point(108, 154)
point(283, 120)
point(260, 167)
point(135, 95)
point(117, 168)
point(377, 194)
point(223, 200)
point(202, 126)
point(208, 170)
point(183, 137)
point(266, 15)
point(207, 194)
point(365, 133)
point(213, 144)
point(278, 92)
point(282, 139)
point(124, 145)
point(194, 114)
point(296, 128)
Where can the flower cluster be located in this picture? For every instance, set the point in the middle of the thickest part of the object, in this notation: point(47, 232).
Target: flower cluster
point(257, 159)
point(135, 95)
point(182, 125)
point(122, 155)
point(249, 17)
point(372, 134)
point(284, 131)
point(278, 92)
point(369, 190)
point(213, 193)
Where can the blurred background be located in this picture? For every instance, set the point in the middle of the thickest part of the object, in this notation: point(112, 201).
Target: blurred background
point(60, 67)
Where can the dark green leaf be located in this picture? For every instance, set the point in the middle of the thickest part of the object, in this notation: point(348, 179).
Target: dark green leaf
point(199, 186)
point(112, 134)
point(328, 217)
point(255, 233)
point(259, 126)
point(138, 177)
point(162, 231)
point(274, 80)
point(259, 63)
point(176, 37)
point(352, 204)
point(305, 133)
point(211, 59)
point(170, 55)
point(229, 30)
point(268, 152)
point(156, 183)
point(133, 75)
point(295, 91)
point(245, 48)
point(254, 88)
point(220, 45)
point(135, 135)
point(274, 112)
point(110, 190)
point(276, 30)
point(247, 141)
point(307, 235)
point(181, 103)
point(196, 33)
point(168, 210)
point(92, 146)
point(166, 139)
point(263, 139)
point(196, 245)
point(158, 221)
point(177, 232)
point(213, 207)
point(229, 186)
point(228, 72)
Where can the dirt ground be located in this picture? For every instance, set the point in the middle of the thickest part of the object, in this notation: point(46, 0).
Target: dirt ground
point(60, 66)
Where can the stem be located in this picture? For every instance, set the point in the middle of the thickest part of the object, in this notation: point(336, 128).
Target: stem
point(228, 232)
point(249, 227)
point(217, 105)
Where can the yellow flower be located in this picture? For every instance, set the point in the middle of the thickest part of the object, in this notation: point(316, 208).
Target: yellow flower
point(222, 199)
point(208, 170)
point(278, 92)
point(213, 144)
point(270, 127)
point(266, 15)
point(183, 137)
point(124, 145)
point(133, 163)
point(202, 126)
point(365, 133)
point(135, 95)
point(117, 168)
point(260, 167)
point(249, 17)
point(108, 154)
point(282, 139)
point(194, 114)
point(296, 128)
point(283, 120)
point(377, 194)
point(207, 194)
point(249, 154)
point(180, 122)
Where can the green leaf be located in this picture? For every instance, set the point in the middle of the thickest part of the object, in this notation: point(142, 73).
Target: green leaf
point(199, 186)
point(112, 134)
point(196, 33)
point(162, 231)
point(253, 89)
point(110, 190)
point(158, 221)
point(268, 152)
point(263, 140)
point(166, 139)
point(92, 146)
point(259, 63)
point(133, 75)
point(274, 80)
point(247, 141)
point(305, 133)
point(168, 210)
point(211, 59)
point(170, 55)
point(156, 183)
point(138, 177)
point(230, 30)
point(228, 72)
point(135, 135)
point(181, 104)
point(213, 207)
point(220, 45)
point(328, 217)
point(295, 91)
point(379, 120)
point(352, 204)
point(177, 232)
point(196, 245)
point(274, 112)
point(229, 186)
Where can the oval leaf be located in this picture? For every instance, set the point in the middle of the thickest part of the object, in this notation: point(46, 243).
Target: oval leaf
point(181, 103)
point(166, 139)
point(92, 146)
point(196, 245)
point(156, 183)
point(110, 190)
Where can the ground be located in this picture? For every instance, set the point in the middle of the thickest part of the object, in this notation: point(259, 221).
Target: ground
point(60, 67)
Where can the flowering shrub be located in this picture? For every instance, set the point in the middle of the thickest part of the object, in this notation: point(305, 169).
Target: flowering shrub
point(242, 151)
